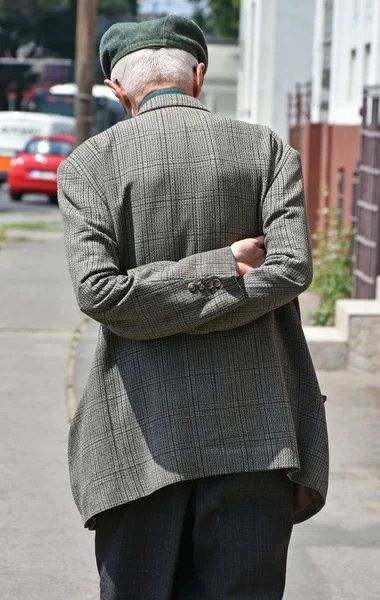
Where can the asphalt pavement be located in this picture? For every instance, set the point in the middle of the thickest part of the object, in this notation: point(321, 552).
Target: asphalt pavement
point(30, 204)
point(45, 553)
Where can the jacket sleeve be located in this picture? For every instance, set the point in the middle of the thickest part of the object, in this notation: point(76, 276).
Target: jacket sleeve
point(288, 269)
point(150, 301)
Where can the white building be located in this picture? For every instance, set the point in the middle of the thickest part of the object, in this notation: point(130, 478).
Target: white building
point(219, 93)
point(276, 39)
point(346, 58)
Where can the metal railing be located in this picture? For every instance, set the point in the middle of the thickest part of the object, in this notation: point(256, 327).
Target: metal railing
point(366, 199)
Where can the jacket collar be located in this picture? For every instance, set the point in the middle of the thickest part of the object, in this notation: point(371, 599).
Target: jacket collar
point(167, 100)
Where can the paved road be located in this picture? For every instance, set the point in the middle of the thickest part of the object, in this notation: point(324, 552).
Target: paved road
point(336, 555)
point(45, 554)
point(29, 204)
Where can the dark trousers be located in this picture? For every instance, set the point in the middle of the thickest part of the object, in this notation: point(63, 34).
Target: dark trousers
point(215, 538)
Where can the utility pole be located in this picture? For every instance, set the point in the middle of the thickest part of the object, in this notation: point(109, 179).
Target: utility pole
point(85, 68)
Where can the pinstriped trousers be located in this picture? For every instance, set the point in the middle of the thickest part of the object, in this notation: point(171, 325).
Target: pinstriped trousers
point(215, 538)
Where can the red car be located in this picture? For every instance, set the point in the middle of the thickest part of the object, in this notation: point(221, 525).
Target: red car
point(34, 170)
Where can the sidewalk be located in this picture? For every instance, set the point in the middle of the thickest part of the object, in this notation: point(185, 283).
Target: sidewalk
point(336, 555)
point(45, 553)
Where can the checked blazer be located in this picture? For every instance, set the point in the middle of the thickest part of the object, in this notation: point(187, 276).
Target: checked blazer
point(197, 371)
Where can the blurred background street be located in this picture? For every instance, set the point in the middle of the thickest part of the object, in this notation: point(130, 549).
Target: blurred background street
point(44, 552)
point(32, 204)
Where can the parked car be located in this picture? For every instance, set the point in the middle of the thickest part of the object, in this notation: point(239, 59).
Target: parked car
point(34, 170)
point(17, 128)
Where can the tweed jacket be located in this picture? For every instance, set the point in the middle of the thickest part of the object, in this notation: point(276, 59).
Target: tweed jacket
point(197, 371)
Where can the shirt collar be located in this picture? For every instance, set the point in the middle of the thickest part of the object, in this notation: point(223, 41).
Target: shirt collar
point(171, 101)
point(161, 92)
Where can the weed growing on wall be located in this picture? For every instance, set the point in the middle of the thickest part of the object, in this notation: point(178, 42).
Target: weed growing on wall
point(332, 267)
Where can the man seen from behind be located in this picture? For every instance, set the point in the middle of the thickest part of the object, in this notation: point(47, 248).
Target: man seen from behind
point(201, 436)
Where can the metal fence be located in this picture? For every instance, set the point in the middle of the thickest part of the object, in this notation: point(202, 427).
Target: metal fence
point(366, 200)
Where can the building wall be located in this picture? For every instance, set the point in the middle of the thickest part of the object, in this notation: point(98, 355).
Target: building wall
point(294, 26)
point(322, 54)
point(219, 92)
point(344, 153)
point(311, 165)
point(354, 25)
point(317, 61)
point(364, 343)
point(326, 149)
point(252, 59)
point(266, 65)
point(276, 53)
point(355, 57)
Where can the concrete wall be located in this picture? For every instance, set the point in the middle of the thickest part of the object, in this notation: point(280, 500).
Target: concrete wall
point(254, 61)
point(355, 25)
point(276, 53)
point(317, 61)
point(293, 55)
point(322, 51)
point(364, 343)
point(354, 342)
point(267, 68)
point(219, 92)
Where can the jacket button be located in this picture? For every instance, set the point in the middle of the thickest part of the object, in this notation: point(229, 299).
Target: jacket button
point(209, 284)
point(217, 283)
point(201, 286)
point(192, 287)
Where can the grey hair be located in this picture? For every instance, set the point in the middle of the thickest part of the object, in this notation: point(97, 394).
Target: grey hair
point(154, 66)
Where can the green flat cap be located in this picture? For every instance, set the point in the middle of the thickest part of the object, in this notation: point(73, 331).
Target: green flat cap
point(169, 32)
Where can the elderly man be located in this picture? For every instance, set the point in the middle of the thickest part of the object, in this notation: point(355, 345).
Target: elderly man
point(201, 437)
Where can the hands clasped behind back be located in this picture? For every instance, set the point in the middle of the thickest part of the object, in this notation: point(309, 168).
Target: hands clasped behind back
point(249, 254)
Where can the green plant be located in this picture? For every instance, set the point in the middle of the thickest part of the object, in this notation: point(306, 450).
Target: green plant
point(3, 235)
point(332, 266)
point(35, 226)
point(7, 236)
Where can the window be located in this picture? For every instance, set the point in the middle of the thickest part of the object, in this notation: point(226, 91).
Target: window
point(355, 11)
point(368, 9)
point(352, 74)
point(56, 147)
point(367, 58)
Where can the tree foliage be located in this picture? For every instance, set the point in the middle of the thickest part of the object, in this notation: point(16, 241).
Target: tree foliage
point(33, 9)
point(225, 17)
point(50, 23)
point(41, 27)
point(201, 16)
point(220, 17)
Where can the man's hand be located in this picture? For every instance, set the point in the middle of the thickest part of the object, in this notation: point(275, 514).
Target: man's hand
point(249, 254)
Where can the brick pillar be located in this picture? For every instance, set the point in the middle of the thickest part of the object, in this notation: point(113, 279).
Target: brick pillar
point(324, 173)
point(311, 165)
